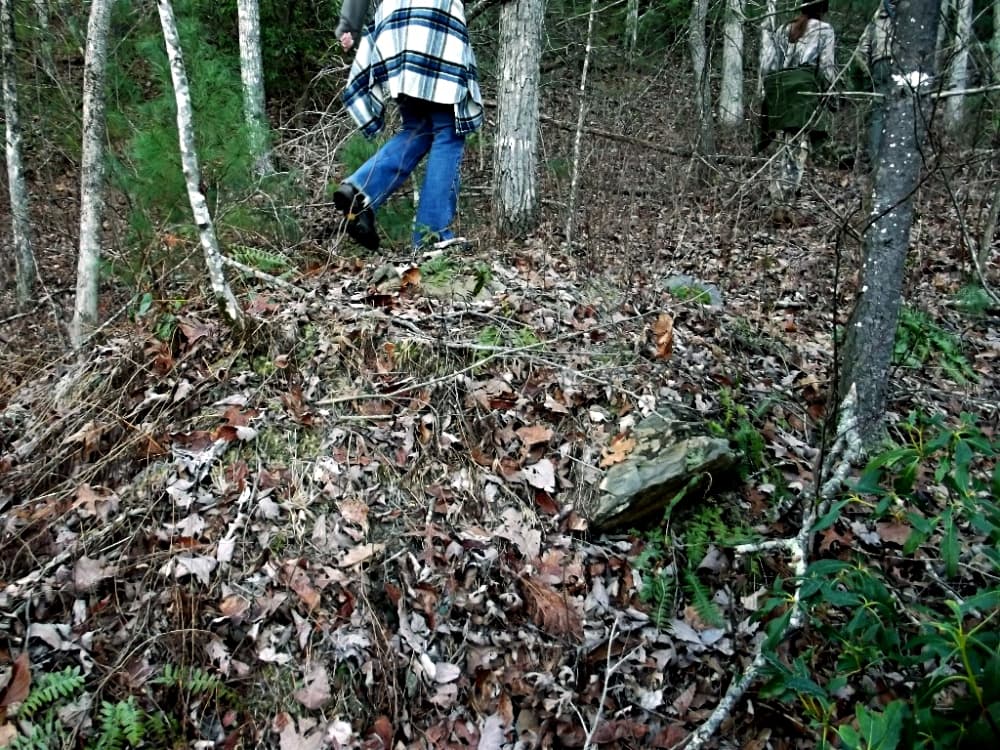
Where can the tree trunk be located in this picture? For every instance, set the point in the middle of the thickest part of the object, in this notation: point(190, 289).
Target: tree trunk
point(631, 27)
point(515, 186)
point(24, 259)
point(942, 35)
point(869, 338)
point(705, 143)
point(958, 80)
point(224, 298)
point(731, 93)
point(767, 26)
point(91, 172)
point(252, 73)
point(995, 45)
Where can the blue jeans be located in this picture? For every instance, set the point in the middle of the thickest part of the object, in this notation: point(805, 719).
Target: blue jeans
point(428, 129)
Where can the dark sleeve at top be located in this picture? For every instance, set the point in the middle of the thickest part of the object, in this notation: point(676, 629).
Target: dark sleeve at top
point(352, 17)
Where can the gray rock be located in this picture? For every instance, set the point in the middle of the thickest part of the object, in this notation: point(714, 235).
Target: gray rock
point(663, 467)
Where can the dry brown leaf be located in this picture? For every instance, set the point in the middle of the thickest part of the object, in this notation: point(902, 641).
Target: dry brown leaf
point(896, 533)
point(550, 610)
point(663, 333)
point(410, 278)
point(360, 554)
point(355, 511)
point(20, 682)
point(383, 730)
point(683, 701)
point(8, 732)
point(298, 581)
point(619, 449)
point(534, 434)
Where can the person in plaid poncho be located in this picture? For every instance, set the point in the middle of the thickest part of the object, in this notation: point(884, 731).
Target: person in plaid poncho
point(416, 52)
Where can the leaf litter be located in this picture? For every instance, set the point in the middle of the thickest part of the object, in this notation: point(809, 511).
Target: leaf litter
point(375, 526)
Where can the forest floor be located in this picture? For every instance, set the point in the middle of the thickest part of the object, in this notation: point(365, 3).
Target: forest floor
point(367, 523)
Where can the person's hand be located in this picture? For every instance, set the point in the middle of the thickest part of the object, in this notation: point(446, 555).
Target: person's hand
point(347, 40)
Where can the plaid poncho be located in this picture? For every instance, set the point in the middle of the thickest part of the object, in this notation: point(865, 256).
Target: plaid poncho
point(417, 48)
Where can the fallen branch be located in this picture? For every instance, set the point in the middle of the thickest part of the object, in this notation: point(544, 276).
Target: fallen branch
point(261, 276)
point(845, 451)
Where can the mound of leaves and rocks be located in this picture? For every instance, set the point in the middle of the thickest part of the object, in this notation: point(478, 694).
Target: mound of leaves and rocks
point(541, 495)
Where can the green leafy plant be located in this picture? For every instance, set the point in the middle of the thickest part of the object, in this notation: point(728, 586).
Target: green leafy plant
point(262, 260)
point(735, 423)
point(920, 340)
point(943, 650)
point(122, 724)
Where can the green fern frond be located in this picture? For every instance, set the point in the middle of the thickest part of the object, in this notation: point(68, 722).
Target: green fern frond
point(51, 687)
point(44, 735)
point(658, 590)
point(262, 260)
point(702, 602)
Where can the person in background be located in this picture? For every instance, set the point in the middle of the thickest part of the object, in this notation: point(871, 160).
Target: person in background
point(797, 67)
point(416, 52)
point(874, 53)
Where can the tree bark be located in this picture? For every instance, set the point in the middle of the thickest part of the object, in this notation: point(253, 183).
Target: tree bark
point(515, 167)
point(252, 74)
point(731, 93)
point(91, 172)
point(955, 108)
point(224, 298)
point(871, 331)
point(705, 143)
point(631, 27)
point(24, 259)
point(995, 43)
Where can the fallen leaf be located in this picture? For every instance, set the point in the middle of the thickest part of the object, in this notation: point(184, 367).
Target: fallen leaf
point(316, 692)
point(445, 672)
point(896, 533)
point(618, 450)
point(541, 475)
point(20, 682)
point(87, 573)
point(410, 278)
point(491, 733)
point(199, 566)
point(551, 610)
point(663, 336)
point(8, 732)
point(682, 702)
point(382, 728)
point(534, 434)
point(359, 554)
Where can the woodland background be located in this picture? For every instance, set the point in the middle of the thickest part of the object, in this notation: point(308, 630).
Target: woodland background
point(362, 519)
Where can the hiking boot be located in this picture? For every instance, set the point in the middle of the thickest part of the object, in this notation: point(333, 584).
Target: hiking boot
point(360, 217)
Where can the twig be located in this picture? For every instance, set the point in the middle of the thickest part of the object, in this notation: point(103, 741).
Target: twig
point(578, 133)
point(845, 451)
point(265, 277)
point(609, 670)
